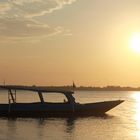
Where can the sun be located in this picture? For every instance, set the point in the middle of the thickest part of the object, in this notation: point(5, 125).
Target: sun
point(135, 42)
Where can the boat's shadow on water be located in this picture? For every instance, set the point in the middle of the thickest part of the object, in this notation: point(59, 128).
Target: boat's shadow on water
point(71, 118)
point(69, 124)
point(103, 116)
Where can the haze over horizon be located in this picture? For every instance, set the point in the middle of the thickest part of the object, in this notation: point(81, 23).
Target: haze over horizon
point(55, 42)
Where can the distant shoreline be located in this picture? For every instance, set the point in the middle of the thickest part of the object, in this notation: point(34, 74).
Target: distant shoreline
point(83, 88)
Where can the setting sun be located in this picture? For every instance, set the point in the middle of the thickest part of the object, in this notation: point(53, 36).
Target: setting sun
point(135, 42)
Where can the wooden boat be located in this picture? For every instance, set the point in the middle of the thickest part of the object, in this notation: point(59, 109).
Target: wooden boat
point(47, 109)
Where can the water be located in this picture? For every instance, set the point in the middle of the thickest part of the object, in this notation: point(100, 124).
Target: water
point(121, 123)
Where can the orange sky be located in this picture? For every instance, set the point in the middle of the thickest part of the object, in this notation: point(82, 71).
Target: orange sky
point(57, 42)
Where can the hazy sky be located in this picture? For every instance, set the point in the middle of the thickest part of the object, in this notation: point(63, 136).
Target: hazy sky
point(55, 42)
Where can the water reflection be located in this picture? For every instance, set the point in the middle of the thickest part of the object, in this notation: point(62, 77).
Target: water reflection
point(136, 96)
point(70, 125)
point(11, 129)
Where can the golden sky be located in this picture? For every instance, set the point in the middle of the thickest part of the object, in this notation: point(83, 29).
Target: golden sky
point(55, 42)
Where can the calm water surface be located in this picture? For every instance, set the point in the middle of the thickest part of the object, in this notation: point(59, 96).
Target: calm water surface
point(121, 123)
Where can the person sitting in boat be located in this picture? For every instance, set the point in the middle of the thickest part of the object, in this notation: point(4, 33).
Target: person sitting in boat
point(65, 101)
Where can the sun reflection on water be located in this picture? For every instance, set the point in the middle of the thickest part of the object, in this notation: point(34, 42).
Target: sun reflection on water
point(136, 97)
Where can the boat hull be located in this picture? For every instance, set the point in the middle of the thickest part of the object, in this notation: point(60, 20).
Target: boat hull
point(56, 109)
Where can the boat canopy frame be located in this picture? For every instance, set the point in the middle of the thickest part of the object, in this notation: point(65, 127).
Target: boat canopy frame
point(12, 95)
